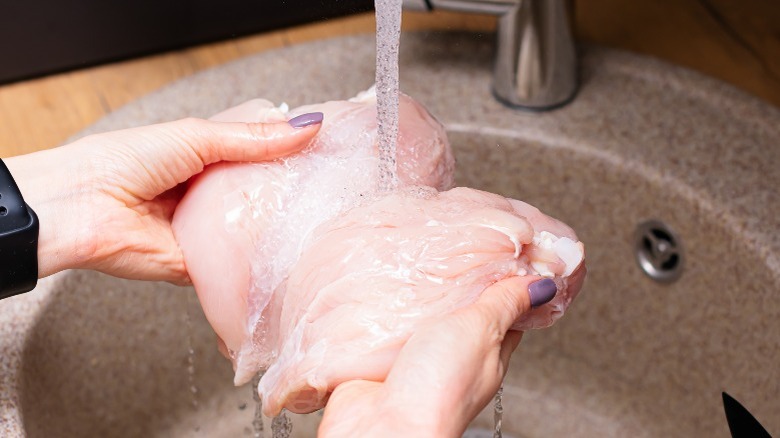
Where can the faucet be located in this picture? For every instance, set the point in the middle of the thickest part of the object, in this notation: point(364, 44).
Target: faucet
point(536, 63)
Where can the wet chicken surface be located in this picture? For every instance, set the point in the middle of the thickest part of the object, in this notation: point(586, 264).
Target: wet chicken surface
point(305, 270)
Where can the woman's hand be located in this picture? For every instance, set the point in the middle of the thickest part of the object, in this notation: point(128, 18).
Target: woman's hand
point(444, 375)
point(105, 202)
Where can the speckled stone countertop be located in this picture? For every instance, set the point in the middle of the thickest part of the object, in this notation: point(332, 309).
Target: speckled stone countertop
point(699, 145)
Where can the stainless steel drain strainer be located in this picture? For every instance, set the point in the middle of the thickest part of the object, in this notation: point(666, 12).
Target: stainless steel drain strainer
point(658, 251)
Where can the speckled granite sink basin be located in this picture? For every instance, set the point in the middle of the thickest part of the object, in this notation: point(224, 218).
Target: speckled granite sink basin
point(88, 355)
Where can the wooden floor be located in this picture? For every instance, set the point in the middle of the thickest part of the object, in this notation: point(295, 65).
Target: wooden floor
point(738, 42)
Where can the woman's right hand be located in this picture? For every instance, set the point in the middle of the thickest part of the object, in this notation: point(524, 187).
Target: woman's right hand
point(445, 374)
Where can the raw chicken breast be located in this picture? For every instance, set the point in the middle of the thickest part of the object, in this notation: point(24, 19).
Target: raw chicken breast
point(368, 278)
point(241, 226)
point(305, 271)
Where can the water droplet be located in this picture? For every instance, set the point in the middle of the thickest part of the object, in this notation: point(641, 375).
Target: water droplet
point(190, 352)
point(498, 411)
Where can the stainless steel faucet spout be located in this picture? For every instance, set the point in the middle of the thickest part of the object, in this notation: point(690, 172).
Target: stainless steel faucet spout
point(536, 61)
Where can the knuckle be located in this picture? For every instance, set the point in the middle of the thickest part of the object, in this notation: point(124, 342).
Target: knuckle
point(189, 129)
point(261, 131)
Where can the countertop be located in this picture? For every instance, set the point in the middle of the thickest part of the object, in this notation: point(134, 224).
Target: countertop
point(739, 44)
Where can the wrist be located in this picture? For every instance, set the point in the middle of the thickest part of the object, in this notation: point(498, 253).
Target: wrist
point(390, 418)
point(423, 412)
point(39, 177)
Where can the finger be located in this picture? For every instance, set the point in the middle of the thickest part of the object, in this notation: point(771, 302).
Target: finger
point(472, 332)
point(483, 324)
point(220, 141)
point(467, 353)
point(505, 301)
point(169, 154)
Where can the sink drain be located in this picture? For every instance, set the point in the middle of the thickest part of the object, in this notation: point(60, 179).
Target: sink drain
point(658, 251)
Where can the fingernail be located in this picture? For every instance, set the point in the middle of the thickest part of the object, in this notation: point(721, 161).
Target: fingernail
point(542, 291)
point(305, 120)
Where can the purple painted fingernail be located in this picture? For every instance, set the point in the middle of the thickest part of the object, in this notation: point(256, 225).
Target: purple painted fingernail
point(305, 120)
point(542, 291)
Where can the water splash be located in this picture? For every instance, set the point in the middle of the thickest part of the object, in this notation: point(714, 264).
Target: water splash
point(498, 411)
point(388, 36)
point(190, 353)
point(257, 420)
point(193, 388)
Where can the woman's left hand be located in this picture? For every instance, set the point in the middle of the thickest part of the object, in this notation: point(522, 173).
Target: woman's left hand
point(105, 202)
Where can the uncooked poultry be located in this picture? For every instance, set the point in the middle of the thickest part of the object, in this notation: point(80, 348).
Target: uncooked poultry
point(306, 271)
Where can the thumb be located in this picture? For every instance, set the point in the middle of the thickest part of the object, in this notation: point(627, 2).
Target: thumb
point(224, 141)
point(466, 353)
point(470, 333)
point(165, 155)
point(505, 301)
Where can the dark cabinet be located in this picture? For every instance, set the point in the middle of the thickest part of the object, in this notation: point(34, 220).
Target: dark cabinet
point(44, 36)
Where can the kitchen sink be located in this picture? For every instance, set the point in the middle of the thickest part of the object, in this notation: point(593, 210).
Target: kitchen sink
point(89, 355)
